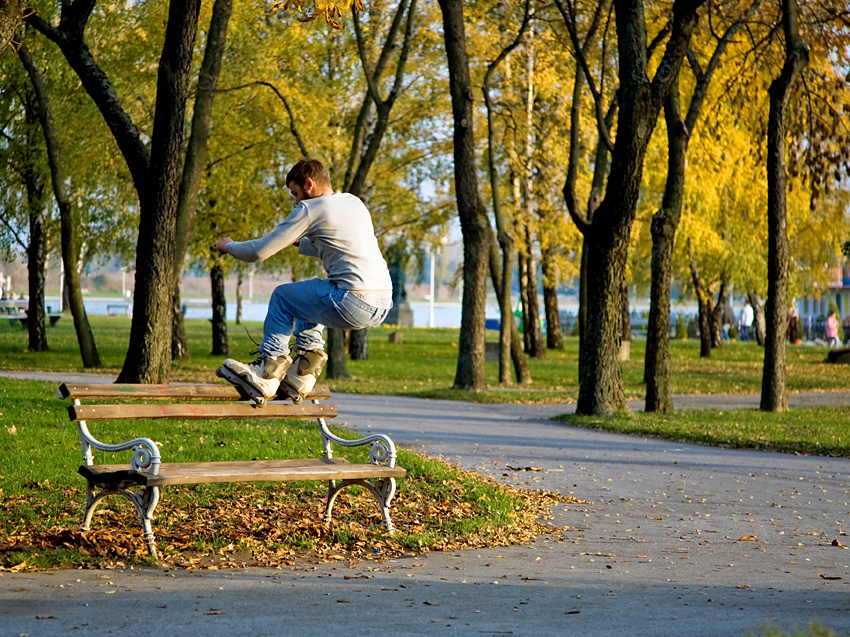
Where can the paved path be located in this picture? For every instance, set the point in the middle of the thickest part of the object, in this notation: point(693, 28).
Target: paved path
point(657, 551)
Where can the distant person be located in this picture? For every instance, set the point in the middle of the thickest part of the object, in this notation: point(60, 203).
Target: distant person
point(337, 228)
point(793, 325)
point(746, 320)
point(832, 330)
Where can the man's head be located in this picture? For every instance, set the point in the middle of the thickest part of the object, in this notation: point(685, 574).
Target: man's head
point(308, 179)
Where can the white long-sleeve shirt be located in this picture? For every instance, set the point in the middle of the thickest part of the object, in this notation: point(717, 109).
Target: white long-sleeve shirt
point(336, 228)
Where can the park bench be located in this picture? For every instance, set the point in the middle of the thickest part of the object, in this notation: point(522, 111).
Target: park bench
point(140, 479)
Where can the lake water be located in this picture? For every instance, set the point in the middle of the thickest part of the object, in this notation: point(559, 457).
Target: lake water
point(445, 314)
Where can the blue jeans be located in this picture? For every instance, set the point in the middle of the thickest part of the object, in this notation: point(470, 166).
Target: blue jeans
point(309, 306)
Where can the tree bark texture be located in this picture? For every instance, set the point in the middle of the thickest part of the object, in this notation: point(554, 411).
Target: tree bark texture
point(473, 220)
point(149, 355)
point(179, 344)
point(239, 281)
point(219, 310)
point(37, 247)
point(521, 372)
point(11, 13)
point(196, 157)
point(68, 223)
point(36, 265)
point(773, 391)
point(531, 315)
point(335, 348)
point(663, 230)
point(704, 309)
point(554, 337)
point(358, 345)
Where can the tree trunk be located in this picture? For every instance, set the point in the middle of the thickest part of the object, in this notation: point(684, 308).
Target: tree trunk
point(335, 348)
point(36, 263)
point(532, 313)
point(522, 276)
point(179, 344)
point(759, 325)
point(11, 12)
point(625, 324)
point(336, 366)
point(70, 243)
point(521, 371)
point(358, 345)
point(37, 248)
point(663, 229)
point(773, 392)
point(196, 154)
point(219, 310)
point(149, 355)
point(600, 388)
point(473, 220)
point(704, 305)
point(554, 337)
point(239, 278)
point(717, 317)
point(640, 99)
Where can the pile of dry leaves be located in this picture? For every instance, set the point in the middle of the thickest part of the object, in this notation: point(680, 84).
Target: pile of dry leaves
point(263, 526)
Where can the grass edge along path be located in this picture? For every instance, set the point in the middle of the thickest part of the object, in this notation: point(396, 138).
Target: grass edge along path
point(438, 506)
point(820, 431)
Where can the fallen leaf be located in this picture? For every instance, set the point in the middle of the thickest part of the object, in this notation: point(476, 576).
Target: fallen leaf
point(45, 617)
point(822, 576)
point(747, 538)
point(836, 543)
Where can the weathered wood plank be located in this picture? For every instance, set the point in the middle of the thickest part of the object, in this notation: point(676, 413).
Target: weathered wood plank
point(248, 471)
point(183, 392)
point(199, 412)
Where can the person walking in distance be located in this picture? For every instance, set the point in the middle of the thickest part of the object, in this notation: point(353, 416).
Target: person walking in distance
point(336, 228)
point(747, 317)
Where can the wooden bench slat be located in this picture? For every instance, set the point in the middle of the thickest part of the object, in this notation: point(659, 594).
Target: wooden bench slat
point(184, 392)
point(248, 471)
point(199, 412)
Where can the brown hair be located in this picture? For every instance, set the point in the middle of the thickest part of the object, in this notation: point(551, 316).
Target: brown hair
point(312, 168)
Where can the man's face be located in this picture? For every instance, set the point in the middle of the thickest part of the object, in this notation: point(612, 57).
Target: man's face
point(307, 191)
point(297, 192)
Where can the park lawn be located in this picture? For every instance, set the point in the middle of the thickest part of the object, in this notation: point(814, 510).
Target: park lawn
point(424, 364)
point(818, 431)
point(437, 506)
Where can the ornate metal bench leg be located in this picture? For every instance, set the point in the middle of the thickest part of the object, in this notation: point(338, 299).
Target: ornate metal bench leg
point(146, 500)
point(92, 500)
point(382, 490)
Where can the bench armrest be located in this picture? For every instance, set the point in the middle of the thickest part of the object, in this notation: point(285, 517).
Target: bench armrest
point(145, 452)
point(383, 450)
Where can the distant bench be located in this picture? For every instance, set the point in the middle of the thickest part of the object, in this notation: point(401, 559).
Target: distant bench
point(118, 309)
point(207, 402)
point(21, 318)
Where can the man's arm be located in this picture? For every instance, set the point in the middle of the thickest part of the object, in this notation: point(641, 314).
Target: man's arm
point(286, 234)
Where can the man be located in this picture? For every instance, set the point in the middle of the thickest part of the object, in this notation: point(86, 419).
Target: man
point(747, 317)
point(337, 228)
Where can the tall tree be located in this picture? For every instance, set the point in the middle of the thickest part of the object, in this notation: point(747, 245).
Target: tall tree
point(473, 220)
point(607, 235)
point(68, 223)
point(665, 221)
point(504, 224)
point(773, 392)
point(155, 172)
point(195, 164)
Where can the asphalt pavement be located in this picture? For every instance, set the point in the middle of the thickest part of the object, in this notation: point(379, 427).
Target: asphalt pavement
point(674, 539)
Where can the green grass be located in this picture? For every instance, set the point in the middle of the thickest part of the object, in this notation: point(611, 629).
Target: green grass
point(425, 363)
point(806, 430)
point(437, 505)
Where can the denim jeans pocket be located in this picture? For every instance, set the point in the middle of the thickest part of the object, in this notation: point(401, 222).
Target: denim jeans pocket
point(354, 311)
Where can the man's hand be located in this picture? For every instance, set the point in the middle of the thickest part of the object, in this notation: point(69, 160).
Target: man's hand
point(221, 245)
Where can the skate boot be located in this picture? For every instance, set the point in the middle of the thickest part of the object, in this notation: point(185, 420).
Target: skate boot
point(303, 373)
point(260, 380)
